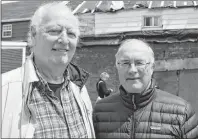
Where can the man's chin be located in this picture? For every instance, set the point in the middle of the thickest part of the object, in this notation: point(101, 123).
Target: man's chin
point(135, 88)
point(61, 61)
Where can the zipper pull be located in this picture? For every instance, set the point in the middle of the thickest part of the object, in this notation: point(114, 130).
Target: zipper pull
point(133, 102)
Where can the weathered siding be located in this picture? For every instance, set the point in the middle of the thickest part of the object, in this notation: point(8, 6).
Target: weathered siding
point(10, 59)
point(188, 86)
point(132, 20)
point(19, 31)
point(87, 24)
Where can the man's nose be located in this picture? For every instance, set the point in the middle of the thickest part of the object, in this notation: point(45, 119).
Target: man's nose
point(64, 37)
point(132, 68)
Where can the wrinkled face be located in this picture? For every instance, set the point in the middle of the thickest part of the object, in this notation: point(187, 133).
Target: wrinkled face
point(56, 39)
point(134, 69)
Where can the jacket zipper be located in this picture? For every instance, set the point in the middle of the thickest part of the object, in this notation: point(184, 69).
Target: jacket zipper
point(133, 118)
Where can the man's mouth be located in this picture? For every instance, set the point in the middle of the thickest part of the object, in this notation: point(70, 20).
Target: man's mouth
point(133, 78)
point(60, 50)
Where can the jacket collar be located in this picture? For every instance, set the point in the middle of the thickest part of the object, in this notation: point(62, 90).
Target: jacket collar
point(77, 75)
point(137, 101)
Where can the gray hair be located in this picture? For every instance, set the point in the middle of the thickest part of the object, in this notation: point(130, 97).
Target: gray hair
point(104, 75)
point(152, 60)
point(41, 11)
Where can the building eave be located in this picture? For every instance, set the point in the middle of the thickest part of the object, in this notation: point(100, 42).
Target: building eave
point(15, 20)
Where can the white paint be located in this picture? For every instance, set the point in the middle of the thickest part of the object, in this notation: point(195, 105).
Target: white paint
point(100, 2)
point(162, 4)
point(78, 7)
point(4, 2)
point(174, 3)
point(150, 4)
point(13, 44)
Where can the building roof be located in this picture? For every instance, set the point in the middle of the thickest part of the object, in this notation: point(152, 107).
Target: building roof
point(23, 10)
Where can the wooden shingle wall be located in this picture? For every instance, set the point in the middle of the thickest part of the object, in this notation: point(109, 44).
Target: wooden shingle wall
point(132, 20)
point(11, 59)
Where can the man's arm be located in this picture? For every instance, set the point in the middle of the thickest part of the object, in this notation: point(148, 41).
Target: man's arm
point(103, 88)
point(190, 125)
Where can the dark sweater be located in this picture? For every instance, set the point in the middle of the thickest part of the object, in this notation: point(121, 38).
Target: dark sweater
point(102, 89)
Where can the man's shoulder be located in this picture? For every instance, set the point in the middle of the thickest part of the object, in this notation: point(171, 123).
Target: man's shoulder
point(110, 99)
point(109, 102)
point(168, 98)
point(12, 76)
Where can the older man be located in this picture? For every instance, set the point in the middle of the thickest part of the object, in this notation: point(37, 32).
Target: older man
point(139, 109)
point(47, 97)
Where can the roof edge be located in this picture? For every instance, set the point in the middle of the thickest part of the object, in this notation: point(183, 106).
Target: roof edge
point(15, 20)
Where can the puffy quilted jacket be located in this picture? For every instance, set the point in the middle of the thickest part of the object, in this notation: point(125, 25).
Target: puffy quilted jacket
point(153, 114)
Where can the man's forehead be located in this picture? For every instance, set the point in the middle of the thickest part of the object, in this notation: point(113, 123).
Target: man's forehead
point(61, 19)
point(135, 55)
point(135, 46)
point(138, 51)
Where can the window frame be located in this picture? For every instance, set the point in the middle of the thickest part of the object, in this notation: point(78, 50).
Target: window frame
point(3, 30)
point(153, 17)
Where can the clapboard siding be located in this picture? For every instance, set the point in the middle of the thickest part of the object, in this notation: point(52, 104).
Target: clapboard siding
point(10, 59)
point(87, 24)
point(132, 20)
point(19, 31)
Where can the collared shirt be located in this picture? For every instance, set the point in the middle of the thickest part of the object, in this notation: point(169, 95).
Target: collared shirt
point(55, 118)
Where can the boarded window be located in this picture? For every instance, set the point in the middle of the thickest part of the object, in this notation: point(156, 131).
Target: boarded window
point(7, 31)
point(11, 59)
point(152, 21)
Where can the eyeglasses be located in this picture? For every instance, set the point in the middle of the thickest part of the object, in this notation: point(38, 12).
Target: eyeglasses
point(138, 64)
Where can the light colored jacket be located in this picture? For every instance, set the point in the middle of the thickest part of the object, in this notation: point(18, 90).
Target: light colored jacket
point(16, 118)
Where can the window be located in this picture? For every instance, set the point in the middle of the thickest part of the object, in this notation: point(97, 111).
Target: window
point(7, 31)
point(152, 21)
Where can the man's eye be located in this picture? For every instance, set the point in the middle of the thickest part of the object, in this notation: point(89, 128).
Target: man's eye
point(71, 34)
point(54, 32)
point(139, 63)
point(125, 63)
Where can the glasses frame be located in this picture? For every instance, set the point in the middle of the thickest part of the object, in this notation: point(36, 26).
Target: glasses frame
point(140, 67)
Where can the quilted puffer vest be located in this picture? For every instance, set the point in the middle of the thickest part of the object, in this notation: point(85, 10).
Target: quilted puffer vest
point(153, 114)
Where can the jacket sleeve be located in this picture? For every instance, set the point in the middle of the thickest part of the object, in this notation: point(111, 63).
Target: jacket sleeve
point(87, 99)
point(190, 124)
point(88, 104)
point(103, 88)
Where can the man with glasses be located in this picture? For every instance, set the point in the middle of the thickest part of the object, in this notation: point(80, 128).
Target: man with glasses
point(139, 109)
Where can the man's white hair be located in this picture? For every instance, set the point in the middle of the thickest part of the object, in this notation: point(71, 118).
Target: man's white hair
point(123, 43)
point(41, 12)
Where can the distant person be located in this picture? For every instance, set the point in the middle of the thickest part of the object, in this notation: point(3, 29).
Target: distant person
point(47, 96)
point(139, 110)
point(101, 86)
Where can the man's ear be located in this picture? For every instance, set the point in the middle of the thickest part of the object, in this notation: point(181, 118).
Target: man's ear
point(153, 66)
point(33, 31)
point(33, 35)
